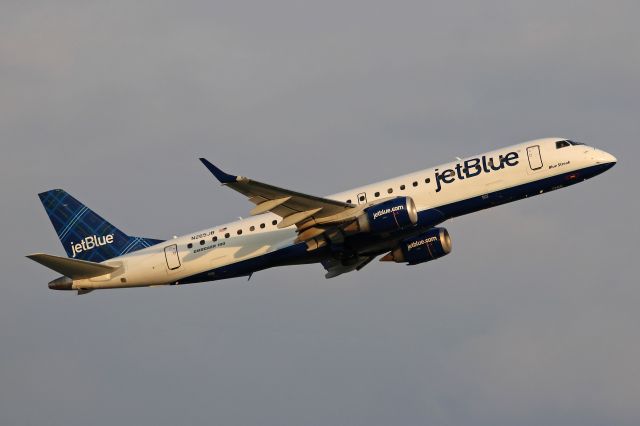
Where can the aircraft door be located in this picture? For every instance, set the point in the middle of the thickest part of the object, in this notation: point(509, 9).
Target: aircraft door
point(171, 254)
point(362, 198)
point(535, 158)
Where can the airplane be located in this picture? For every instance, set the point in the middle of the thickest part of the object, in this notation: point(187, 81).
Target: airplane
point(398, 218)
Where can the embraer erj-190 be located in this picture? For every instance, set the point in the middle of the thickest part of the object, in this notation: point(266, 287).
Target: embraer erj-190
point(398, 218)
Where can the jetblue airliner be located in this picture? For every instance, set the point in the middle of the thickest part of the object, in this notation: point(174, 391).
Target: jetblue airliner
point(398, 218)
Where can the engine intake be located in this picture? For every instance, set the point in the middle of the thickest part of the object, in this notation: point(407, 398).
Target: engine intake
point(388, 216)
point(431, 245)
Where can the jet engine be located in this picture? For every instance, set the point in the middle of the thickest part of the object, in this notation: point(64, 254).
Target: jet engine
point(387, 216)
point(431, 245)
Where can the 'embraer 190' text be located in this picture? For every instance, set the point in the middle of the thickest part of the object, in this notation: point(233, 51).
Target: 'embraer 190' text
point(90, 242)
point(474, 167)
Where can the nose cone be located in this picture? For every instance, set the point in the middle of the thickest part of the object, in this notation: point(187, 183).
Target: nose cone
point(606, 158)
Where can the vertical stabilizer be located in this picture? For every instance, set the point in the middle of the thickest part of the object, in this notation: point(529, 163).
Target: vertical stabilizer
point(84, 234)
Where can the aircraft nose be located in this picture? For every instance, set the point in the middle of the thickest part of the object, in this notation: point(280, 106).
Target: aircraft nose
point(603, 157)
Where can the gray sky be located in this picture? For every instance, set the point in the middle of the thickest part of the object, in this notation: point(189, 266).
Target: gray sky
point(533, 319)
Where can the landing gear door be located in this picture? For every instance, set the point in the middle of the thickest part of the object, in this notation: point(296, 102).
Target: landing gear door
point(171, 254)
point(535, 158)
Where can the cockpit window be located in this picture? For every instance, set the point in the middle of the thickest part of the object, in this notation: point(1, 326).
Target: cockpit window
point(567, 142)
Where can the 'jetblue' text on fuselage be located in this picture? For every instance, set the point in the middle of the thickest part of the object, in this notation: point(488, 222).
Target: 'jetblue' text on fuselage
point(475, 166)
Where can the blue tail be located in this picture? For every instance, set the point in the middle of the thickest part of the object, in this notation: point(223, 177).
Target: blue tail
point(85, 235)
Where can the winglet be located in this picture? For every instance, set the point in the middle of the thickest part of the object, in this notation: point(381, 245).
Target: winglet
point(219, 174)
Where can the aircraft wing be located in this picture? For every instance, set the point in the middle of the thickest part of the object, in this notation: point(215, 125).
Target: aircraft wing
point(335, 267)
point(302, 210)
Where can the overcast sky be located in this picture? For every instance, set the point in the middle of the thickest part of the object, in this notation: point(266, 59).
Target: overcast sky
point(532, 320)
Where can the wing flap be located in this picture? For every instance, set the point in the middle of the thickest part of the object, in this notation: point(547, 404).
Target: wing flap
point(309, 233)
point(266, 205)
point(336, 267)
point(296, 218)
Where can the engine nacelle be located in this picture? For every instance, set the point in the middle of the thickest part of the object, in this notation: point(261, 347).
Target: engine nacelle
point(431, 245)
point(388, 216)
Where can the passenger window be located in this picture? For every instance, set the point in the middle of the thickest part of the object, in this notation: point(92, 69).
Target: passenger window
point(377, 194)
point(402, 187)
point(215, 239)
point(262, 225)
point(239, 231)
point(415, 183)
point(189, 245)
point(201, 242)
point(253, 228)
point(227, 235)
point(362, 198)
point(427, 180)
point(348, 201)
point(390, 190)
point(273, 222)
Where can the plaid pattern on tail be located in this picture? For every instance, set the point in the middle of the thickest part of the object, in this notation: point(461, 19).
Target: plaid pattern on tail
point(84, 234)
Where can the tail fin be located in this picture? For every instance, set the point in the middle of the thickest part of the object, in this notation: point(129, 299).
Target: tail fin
point(85, 235)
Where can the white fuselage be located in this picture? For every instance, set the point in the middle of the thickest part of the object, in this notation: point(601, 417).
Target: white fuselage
point(225, 245)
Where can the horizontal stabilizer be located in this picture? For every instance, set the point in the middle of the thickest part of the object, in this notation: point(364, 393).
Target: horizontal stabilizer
point(72, 268)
